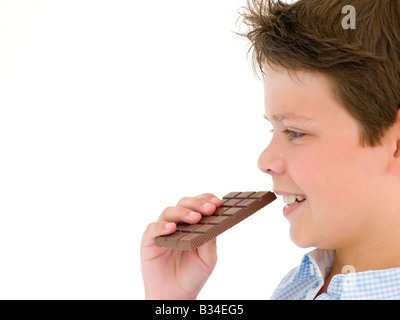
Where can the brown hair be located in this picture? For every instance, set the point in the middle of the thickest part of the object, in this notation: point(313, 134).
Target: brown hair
point(363, 63)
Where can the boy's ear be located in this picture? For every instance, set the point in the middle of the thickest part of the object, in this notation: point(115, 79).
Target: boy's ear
point(395, 161)
point(397, 152)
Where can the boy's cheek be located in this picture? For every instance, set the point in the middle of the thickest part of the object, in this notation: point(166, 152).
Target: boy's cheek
point(324, 225)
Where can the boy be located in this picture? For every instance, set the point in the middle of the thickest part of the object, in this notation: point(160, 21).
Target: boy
point(332, 95)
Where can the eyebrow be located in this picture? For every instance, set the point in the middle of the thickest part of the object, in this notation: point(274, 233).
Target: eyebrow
point(291, 116)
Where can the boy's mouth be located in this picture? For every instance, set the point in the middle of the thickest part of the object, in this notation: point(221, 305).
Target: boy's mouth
point(293, 199)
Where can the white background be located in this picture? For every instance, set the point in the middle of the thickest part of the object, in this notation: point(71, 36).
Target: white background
point(111, 111)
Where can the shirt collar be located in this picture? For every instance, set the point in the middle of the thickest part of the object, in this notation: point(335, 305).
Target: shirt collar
point(372, 284)
point(317, 263)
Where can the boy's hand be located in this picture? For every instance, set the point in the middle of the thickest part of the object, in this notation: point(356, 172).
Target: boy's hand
point(171, 273)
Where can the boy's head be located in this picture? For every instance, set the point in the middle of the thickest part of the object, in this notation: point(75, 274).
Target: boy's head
point(363, 64)
point(332, 96)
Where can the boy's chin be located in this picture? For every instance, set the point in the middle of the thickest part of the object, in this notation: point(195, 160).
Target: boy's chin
point(301, 239)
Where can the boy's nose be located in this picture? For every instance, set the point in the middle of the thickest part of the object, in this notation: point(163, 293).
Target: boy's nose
point(271, 162)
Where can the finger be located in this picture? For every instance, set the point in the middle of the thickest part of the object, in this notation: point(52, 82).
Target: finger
point(208, 253)
point(156, 229)
point(180, 214)
point(209, 197)
point(197, 204)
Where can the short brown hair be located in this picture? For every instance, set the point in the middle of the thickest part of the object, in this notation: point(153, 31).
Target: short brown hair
point(363, 63)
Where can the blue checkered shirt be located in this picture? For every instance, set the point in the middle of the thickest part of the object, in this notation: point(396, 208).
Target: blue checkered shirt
point(305, 281)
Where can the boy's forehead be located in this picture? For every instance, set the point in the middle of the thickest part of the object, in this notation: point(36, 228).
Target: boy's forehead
point(289, 95)
point(303, 80)
point(288, 115)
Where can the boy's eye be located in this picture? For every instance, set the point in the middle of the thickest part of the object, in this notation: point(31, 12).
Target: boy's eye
point(293, 134)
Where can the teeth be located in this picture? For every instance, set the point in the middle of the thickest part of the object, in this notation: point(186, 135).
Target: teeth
point(291, 199)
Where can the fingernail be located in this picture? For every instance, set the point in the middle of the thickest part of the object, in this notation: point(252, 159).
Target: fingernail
point(208, 206)
point(192, 213)
point(215, 200)
point(168, 225)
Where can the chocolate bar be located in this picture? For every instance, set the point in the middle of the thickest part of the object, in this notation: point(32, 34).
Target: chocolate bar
point(235, 207)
